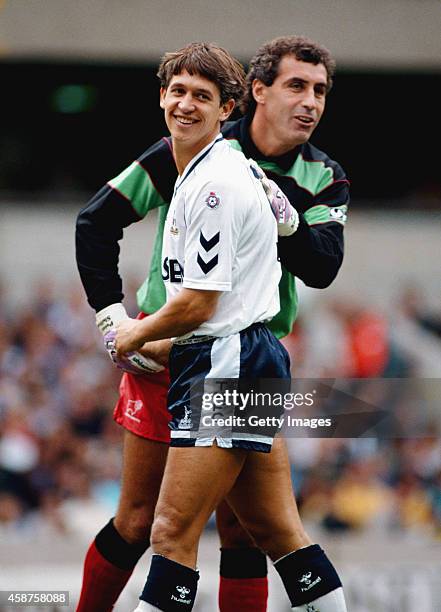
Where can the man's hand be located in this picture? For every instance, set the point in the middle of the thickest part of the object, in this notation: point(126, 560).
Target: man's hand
point(107, 321)
point(132, 362)
point(127, 339)
point(158, 350)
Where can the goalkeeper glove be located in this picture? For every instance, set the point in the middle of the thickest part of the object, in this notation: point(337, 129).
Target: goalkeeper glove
point(286, 215)
point(133, 362)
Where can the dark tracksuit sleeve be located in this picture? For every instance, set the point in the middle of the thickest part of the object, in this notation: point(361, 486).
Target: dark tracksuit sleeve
point(99, 227)
point(314, 253)
point(143, 186)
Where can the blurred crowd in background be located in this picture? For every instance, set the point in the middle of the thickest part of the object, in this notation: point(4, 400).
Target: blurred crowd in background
point(60, 451)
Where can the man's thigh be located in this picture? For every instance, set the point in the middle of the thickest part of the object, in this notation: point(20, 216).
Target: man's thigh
point(195, 481)
point(266, 470)
point(263, 498)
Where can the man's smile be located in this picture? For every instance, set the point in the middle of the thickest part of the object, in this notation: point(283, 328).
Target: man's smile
point(305, 119)
point(185, 120)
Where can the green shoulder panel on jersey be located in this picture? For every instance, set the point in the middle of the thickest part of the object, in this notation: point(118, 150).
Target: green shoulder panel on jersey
point(135, 184)
point(312, 175)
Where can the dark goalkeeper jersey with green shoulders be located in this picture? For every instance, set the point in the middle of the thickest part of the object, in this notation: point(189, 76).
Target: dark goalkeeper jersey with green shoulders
point(315, 185)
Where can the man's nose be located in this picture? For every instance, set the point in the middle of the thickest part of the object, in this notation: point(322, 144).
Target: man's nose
point(186, 103)
point(309, 100)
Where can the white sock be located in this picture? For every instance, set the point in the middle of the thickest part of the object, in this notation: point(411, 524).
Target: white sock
point(143, 606)
point(331, 602)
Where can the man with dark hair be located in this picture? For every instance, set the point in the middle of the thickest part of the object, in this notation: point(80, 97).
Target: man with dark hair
point(318, 189)
point(264, 66)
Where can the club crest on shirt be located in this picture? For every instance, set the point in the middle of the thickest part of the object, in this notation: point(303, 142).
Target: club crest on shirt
point(212, 201)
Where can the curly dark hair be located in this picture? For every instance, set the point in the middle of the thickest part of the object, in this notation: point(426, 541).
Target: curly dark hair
point(210, 61)
point(264, 65)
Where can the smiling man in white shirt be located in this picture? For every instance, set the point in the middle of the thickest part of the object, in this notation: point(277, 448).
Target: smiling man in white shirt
point(221, 272)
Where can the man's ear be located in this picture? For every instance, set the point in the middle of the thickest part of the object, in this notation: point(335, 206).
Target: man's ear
point(162, 93)
point(259, 90)
point(227, 109)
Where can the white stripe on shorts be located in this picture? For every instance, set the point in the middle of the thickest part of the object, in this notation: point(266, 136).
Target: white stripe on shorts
point(225, 357)
point(180, 433)
point(225, 363)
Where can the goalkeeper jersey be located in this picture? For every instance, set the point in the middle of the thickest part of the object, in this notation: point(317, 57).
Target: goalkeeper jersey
point(316, 185)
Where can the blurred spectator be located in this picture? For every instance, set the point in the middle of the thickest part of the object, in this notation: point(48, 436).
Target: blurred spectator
point(415, 333)
point(369, 342)
point(360, 497)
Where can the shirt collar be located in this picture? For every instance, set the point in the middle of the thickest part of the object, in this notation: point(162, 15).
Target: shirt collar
point(196, 160)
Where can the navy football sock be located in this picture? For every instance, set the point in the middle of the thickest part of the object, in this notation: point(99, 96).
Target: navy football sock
point(243, 563)
point(118, 551)
point(307, 574)
point(170, 586)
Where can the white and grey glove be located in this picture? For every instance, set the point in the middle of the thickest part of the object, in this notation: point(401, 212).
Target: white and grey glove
point(286, 215)
point(133, 362)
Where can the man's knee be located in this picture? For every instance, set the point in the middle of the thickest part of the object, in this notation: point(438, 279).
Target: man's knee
point(171, 530)
point(134, 523)
point(273, 538)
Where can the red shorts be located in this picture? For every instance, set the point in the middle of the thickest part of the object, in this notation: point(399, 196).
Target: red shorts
point(142, 404)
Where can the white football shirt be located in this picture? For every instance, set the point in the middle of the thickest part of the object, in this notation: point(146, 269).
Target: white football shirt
point(220, 234)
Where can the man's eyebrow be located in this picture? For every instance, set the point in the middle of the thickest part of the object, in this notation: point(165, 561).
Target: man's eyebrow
point(298, 79)
point(197, 89)
point(204, 91)
point(177, 84)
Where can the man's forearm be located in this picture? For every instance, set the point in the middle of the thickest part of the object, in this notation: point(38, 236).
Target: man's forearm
point(174, 319)
point(181, 315)
point(313, 254)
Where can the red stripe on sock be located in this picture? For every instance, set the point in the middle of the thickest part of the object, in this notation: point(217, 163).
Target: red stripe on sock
point(243, 594)
point(102, 583)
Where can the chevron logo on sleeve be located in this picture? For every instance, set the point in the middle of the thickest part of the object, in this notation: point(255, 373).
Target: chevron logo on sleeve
point(207, 245)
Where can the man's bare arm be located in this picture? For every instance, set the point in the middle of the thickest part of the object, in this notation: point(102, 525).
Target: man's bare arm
point(182, 314)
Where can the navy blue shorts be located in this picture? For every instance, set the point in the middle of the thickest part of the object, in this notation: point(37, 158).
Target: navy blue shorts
point(220, 363)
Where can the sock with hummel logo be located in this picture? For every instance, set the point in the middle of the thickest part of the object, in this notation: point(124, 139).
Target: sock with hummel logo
point(170, 586)
point(310, 580)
